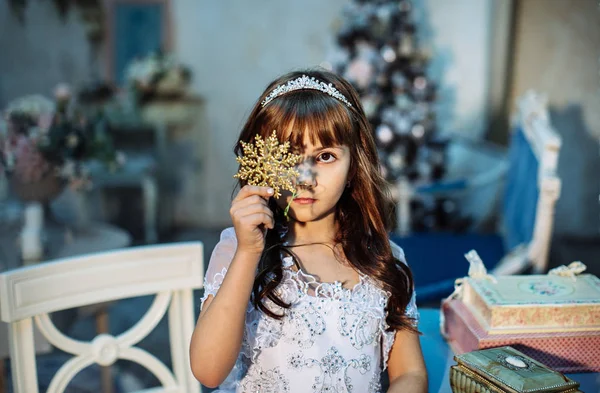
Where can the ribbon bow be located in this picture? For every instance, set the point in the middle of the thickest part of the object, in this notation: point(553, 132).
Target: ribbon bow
point(572, 270)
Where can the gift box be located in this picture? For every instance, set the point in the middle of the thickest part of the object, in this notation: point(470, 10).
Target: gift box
point(505, 369)
point(567, 351)
point(535, 303)
point(553, 318)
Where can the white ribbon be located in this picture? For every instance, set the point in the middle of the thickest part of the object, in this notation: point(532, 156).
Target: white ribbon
point(477, 271)
point(572, 270)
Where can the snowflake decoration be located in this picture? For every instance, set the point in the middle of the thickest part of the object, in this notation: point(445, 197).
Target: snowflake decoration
point(268, 164)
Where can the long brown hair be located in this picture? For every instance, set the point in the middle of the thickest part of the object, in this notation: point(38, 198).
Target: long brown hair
point(363, 212)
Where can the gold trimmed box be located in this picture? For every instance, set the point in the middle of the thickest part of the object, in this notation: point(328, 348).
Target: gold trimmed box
point(506, 370)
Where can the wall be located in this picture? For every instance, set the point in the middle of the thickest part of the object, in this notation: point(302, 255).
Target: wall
point(37, 55)
point(234, 56)
point(236, 47)
point(459, 35)
point(558, 45)
point(557, 52)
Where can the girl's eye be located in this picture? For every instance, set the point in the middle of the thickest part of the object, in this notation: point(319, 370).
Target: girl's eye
point(326, 157)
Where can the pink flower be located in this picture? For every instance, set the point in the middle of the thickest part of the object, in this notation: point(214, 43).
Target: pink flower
point(45, 121)
point(29, 166)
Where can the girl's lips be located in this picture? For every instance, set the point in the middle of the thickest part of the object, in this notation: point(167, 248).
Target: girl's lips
point(304, 201)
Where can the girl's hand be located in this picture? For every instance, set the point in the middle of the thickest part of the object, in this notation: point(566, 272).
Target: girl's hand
point(251, 217)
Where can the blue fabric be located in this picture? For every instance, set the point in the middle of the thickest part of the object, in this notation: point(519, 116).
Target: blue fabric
point(521, 194)
point(437, 354)
point(138, 31)
point(437, 259)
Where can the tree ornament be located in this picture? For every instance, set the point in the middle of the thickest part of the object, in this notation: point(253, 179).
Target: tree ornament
point(267, 163)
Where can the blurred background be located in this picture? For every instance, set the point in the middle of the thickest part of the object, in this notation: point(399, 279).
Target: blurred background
point(138, 104)
point(120, 116)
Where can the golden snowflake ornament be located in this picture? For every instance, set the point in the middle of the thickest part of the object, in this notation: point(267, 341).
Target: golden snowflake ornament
point(267, 163)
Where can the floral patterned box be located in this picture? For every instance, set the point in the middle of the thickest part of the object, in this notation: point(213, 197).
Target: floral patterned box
point(567, 351)
point(534, 303)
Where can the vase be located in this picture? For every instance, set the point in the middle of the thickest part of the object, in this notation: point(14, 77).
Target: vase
point(37, 234)
point(42, 191)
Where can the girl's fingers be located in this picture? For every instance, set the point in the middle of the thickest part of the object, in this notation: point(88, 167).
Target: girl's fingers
point(248, 190)
point(240, 213)
point(248, 206)
point(251, 200)
point(257, 219)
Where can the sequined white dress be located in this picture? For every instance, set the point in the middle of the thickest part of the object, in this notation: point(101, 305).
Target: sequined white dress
point(331, 339)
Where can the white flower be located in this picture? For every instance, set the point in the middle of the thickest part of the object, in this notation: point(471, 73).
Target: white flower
point(34, 132)
point(120, 158)
point(72, 140)
point(68, 169)
point(62, 92)
point(143, 71)
point(33, 105)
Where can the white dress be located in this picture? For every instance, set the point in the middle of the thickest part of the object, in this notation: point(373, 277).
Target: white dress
point(331, 339)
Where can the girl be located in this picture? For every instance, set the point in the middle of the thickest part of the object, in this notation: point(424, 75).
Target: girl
point(319, 301)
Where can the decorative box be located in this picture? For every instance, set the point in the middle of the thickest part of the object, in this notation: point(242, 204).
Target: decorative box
point(540, 303)
point(505, 369)
point(567, 352)
point(554, 318)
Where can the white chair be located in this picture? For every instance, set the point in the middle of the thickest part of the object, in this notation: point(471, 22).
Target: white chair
point(532, 188)
point(28, 295)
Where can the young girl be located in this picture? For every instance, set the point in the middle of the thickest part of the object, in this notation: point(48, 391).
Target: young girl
point(318, 301)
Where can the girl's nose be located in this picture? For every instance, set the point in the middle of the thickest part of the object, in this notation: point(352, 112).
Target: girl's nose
point(307, 177)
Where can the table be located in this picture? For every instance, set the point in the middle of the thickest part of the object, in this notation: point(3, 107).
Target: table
point(62, 243)
point(439, 357)
point(185, 201)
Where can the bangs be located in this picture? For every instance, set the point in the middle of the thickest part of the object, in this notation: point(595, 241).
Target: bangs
point(326, 120)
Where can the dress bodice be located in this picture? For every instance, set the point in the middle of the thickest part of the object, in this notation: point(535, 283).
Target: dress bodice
point(330, 339)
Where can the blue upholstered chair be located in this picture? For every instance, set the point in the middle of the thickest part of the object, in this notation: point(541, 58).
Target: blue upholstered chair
point(531, 188)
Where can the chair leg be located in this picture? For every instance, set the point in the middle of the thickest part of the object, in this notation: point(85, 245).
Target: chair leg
point(181, 327)
point(22, 354)
point(102, 327)
point(405, 195)
point(150, 196)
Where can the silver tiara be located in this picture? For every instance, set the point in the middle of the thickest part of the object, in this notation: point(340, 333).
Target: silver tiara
point(305, 82)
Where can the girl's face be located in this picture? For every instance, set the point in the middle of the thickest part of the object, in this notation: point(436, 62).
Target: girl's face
point(323, 177)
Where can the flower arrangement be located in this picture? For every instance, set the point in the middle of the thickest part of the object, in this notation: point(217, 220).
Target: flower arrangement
point(157, 75)
point(44, 143)
point(267, 163)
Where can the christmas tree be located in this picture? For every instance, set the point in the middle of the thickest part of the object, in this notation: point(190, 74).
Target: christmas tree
point(378, 53)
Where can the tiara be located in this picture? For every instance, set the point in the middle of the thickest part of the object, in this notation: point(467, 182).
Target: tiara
point(305, 82)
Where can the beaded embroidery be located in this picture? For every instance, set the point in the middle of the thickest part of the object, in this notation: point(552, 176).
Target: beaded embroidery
point(335, 338)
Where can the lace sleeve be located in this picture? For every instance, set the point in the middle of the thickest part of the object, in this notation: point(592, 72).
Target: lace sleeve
point(411, 310)
point(219, 263)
